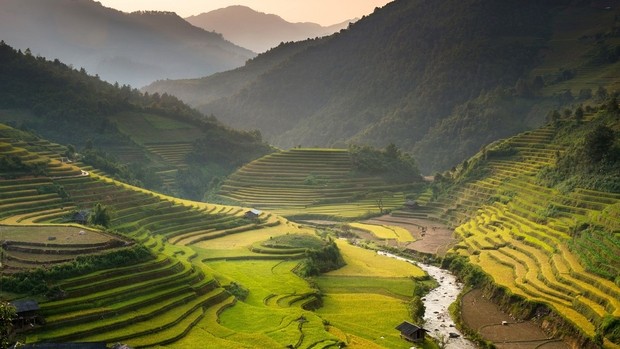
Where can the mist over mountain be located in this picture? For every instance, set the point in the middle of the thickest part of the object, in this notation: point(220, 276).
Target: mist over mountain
point(439, 79)
point(259, 31)
point(135, 48)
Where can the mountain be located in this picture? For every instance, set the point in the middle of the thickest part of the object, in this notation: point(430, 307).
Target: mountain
point(135, 48)
point(153, 140)
point(259, 31)
point(438, 79)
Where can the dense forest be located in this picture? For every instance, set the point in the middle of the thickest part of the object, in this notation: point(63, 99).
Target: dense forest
point(69, 106)
point(439, 79)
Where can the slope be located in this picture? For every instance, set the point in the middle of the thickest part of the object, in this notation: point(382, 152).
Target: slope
point(323, 182)
point(259, 31)
point(197, 274)
point(396, 75)
point(134, 49)
point(542, 224)
point(139, 138)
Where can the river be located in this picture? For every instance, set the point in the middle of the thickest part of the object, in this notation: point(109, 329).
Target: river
point(437, 317)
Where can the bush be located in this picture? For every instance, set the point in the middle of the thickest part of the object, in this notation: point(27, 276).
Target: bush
point(37, 282)
point(389, 163)
point(321, 260)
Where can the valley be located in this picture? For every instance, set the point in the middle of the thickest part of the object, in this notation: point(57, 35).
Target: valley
point(435, 175)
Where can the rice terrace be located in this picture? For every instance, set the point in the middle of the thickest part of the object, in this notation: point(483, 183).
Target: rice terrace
point(438, 175)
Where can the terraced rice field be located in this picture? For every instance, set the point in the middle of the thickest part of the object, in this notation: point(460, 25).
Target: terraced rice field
point(28, 247)
point(308, 181)
point(175, 299)
point(518, 232)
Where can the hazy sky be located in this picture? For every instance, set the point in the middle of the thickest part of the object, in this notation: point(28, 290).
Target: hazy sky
point(324, 12)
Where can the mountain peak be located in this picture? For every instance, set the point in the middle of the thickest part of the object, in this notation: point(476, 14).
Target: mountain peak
point(256, 30)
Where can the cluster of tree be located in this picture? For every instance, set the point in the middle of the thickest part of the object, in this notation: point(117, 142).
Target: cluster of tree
point(37, 282)
point(237, 290)
point(390, 163)
point(592, 156)
point(7, 315)
point(321, 260)
point(215, 156)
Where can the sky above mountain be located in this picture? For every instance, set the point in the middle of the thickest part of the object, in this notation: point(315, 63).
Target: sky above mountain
point(324, 12)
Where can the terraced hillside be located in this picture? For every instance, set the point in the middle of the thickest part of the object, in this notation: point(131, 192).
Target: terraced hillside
point(310, 181)
point(154, 302)
point(550, 246)
point(171, 273)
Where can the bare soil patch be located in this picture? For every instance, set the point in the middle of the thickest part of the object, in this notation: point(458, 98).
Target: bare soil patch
point(485, 317)
point(431, 237)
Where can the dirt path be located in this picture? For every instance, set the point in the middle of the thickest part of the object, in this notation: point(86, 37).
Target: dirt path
point(484, 316)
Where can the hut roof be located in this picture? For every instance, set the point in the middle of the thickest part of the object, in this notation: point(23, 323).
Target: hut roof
point(25, 305)
point(407, 328)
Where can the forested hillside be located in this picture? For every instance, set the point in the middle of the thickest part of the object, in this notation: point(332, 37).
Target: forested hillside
point(438, 78)
point(110, 126)
point(136, 48)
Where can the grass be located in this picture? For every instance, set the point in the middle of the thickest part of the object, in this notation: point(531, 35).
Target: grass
point(395, 287)
point(309, 181)
point(64, 235)
point(148, 128)
point(361, 262)
point(381, 315)
point(385, 231)
point(263, 278)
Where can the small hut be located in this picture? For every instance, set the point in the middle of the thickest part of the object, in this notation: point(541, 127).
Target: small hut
point(27, 311)
point(80, 217)
point(411, 332)
point(253, 214)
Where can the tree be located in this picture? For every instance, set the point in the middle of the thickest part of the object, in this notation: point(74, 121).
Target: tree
point(598, 143)
point(70, 152)
point(7, 315)
point(416, 310)
point(601, 94)
point(579, 114)
point(100, 215)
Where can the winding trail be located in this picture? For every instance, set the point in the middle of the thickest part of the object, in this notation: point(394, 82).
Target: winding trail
point(437, 301)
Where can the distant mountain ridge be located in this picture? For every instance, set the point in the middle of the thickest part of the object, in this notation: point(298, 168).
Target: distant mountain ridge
point(438, 79)
point(135, 48)
point(259, 31)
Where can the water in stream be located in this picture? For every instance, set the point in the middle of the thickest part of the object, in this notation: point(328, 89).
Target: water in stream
point(437, 316)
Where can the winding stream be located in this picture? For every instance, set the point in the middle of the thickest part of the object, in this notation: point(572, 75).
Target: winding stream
point(437, 301)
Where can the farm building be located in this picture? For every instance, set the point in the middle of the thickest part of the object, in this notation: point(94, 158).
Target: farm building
point(80, 217)
point(27, 313)
point(411, 332)
point(253, 214)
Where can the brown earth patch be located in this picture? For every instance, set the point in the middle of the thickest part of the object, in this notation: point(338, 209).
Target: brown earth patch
point(482, 315)
point(431, 237)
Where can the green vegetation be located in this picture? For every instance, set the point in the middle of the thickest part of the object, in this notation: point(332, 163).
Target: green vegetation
point(322, 260)
point(444, 101)
point(116, 129)
point(37, 282)
point(532, 216)
point(323, 182)
point(389, 163)
point(100, 215)
point(7, 315)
